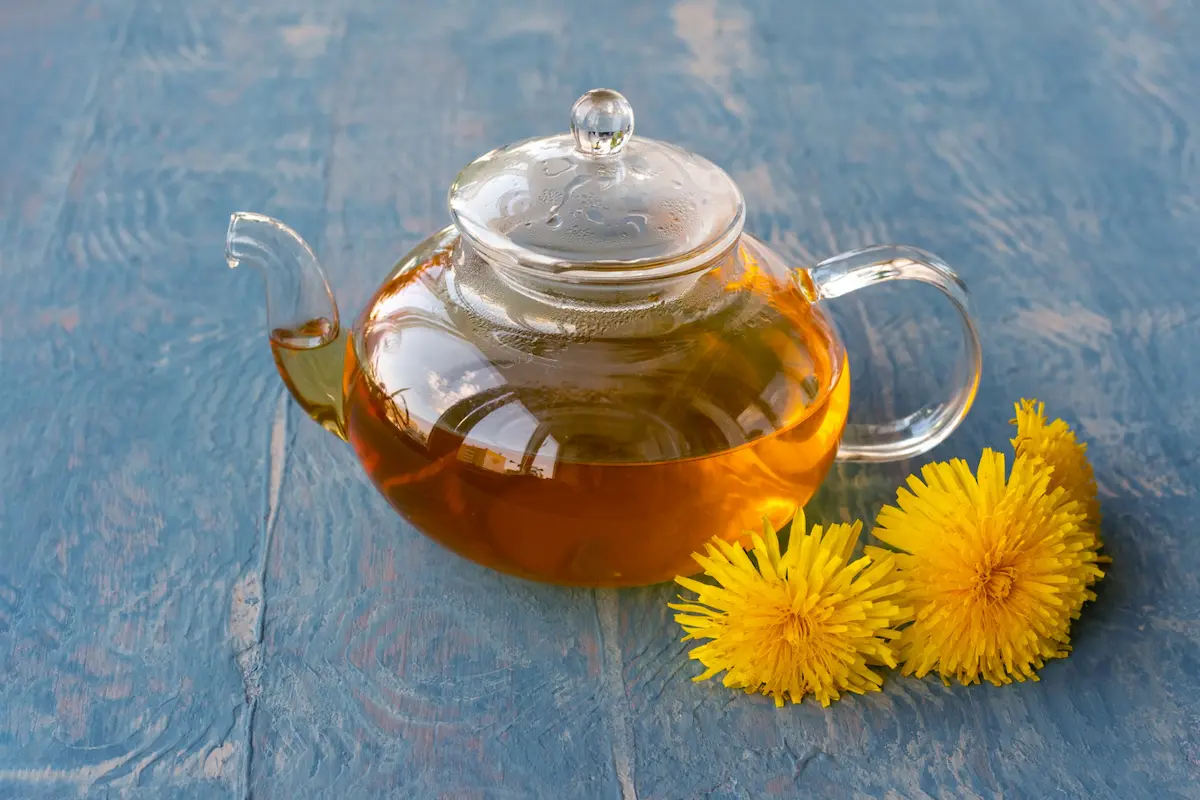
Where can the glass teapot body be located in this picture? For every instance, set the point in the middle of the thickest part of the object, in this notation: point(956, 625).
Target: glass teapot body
point(583, 441)
point(593, 371)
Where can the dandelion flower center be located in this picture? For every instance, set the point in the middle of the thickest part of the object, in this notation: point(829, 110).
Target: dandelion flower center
point(795, 628)
point(994, 583)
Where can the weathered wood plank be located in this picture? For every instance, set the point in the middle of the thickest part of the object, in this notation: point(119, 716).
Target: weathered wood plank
point(202, 597)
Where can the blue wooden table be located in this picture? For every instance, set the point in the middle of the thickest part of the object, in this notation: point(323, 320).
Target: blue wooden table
point(202, 597)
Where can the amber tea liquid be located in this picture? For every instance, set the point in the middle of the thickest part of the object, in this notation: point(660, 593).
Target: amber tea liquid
point(600, 462)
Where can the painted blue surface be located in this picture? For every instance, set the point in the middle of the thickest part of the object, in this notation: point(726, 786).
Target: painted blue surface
point(200, 595)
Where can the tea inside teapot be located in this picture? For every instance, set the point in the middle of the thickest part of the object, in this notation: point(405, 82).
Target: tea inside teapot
point(590, 453)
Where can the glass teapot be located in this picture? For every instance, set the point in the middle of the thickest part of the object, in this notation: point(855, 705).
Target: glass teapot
point(593, 370)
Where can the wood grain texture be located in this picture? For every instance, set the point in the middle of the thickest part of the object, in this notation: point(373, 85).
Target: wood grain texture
point(201, 596)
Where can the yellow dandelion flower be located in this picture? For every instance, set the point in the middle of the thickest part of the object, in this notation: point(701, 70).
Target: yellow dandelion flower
point(995, 569)
point(807, 620)
point(1055, 443)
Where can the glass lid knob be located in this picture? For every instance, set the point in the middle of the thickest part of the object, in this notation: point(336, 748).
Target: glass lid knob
point(602, 122)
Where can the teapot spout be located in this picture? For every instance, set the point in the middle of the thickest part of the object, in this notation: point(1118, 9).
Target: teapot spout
point(307, 339)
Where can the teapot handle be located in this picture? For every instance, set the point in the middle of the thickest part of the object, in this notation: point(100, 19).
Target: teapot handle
point(923, 430)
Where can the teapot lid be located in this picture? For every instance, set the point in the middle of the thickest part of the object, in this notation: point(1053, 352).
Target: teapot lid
point(596, 199)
